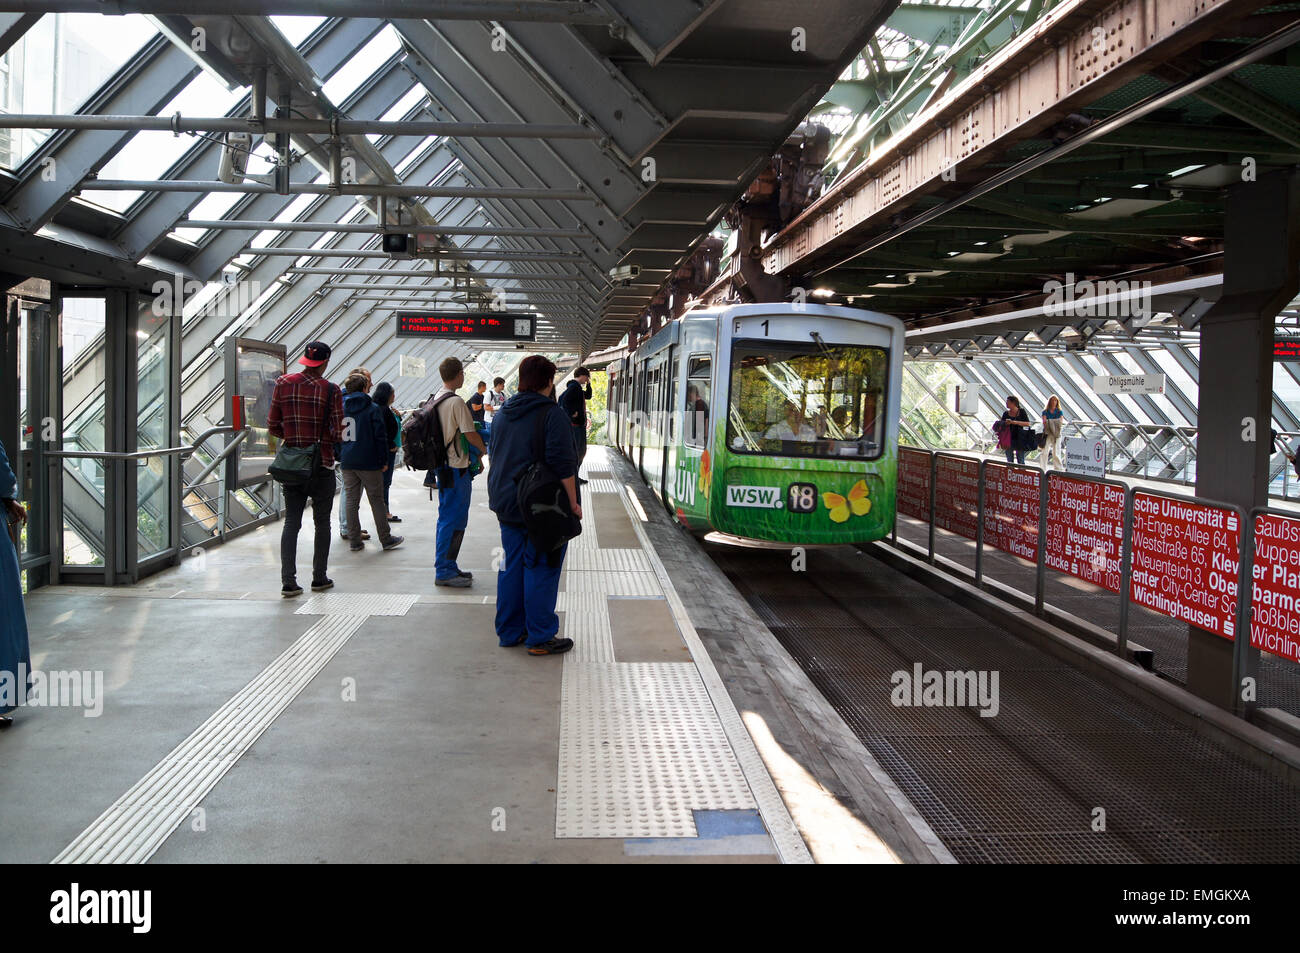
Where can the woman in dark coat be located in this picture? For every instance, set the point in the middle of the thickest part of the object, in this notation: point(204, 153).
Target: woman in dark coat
point(1017, 419)
point(15, 655)
point(384, 396)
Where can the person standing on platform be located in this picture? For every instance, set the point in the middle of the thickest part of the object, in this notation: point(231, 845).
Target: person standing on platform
point(363, 458)
point(1017, 419)
point(454, 481)
point(478, 403)
point(343, 490)
point(308, 409)
point(384, 396)
point(15, 652)
point(528, 582)
point(496, 399)
point(1053, 419)
point(574, 403)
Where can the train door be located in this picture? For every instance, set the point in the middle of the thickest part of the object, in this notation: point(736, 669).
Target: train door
point(667, 428)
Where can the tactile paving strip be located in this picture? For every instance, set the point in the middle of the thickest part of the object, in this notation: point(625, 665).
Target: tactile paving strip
point(142, 818)
point(610, 560)
point(641, 747)
point(612, 583)
point(600, 486)
point(358, 603)
point(586, 621)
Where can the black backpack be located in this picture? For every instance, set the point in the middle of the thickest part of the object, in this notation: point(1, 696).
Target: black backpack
point(548, 519)
point(423, 446)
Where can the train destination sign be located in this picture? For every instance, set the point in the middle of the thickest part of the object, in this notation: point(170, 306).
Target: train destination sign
point(1286, 347)
point(481, 325)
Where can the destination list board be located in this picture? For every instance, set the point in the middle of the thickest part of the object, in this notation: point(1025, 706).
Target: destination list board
point(1275, 589)
point(956, 495)
point(1185, 561)
point(913, 493)
point(1011, 501)
point(1085, 530)
point(483, 325)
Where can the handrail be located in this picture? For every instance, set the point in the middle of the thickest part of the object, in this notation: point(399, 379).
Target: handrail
point(140, 454)
point(225, 452)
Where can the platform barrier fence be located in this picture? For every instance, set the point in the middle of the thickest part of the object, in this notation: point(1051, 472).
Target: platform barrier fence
point(1180, 556)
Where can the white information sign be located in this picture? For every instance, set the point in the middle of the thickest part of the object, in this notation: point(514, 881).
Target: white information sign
point(1129, 384)
point(1086, 457)
point(408, 366)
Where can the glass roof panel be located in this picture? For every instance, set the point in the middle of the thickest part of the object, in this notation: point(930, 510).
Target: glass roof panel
point(58, 65)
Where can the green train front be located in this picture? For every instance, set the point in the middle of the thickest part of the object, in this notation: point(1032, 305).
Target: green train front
point(806, 450)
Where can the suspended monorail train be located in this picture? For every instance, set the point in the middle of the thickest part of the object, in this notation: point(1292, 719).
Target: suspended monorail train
point(772, 422)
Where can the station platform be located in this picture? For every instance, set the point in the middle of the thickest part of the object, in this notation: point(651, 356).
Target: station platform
point(381, 722)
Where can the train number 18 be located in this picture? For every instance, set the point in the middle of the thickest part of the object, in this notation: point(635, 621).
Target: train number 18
point(802, 498)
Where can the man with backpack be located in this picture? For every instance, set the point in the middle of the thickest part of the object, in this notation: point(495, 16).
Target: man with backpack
point(307, 410)
point(450, 436)
point(533, 458)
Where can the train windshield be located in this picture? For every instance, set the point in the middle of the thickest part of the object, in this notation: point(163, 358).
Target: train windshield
point(796, 400)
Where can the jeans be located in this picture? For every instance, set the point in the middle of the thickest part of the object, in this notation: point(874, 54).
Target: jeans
point(388, 482)
point(343, 501)
point(526, 590)
point(320, 490)
point(453, 517)
point(371, 483)
point(1018, 451)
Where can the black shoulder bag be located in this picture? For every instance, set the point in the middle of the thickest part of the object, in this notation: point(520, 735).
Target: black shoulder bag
point(548, 518)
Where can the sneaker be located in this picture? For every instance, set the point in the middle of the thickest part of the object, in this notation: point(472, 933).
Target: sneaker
point(466, 575)
point(456, 582)
point(364, 535)
point(290, 591)
point(553, 647)
point(357, 547)
point(394, 519)
point(394, 542)
point(322, 585)
point(581, 482)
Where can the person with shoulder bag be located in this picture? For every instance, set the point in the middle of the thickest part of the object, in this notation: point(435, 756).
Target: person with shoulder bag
point(307, 415)
point(1017, 431)
point(533, 490)
point(1053, 419)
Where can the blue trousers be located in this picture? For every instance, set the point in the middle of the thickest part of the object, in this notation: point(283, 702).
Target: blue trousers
point(453, 517)
point(526, 591)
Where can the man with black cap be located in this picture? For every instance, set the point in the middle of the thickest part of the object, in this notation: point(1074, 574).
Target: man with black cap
point(307, 409)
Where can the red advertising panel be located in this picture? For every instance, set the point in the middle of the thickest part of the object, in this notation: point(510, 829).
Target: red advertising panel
point(913, 495)
point(1185, 561)
point(1011, 509)
point(1085, 530)
point(1275, 590)
point(956, 495)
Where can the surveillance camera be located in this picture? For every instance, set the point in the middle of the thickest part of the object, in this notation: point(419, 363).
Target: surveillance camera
point(624, 275)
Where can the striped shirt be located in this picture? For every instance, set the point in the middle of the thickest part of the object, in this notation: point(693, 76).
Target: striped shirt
point(298, 411)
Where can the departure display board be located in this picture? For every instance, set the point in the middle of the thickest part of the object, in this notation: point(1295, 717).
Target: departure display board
point(476, 325)
point(1286, 348)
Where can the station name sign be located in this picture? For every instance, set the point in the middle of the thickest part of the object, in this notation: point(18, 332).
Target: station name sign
point(1128, 384)
point(468, 325)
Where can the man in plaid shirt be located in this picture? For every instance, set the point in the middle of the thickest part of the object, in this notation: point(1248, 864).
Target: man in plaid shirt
point(305, 409)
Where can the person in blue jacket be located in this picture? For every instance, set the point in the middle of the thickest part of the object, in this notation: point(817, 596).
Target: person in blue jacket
point(363, 456)
point(528, 582)
point(15, 653)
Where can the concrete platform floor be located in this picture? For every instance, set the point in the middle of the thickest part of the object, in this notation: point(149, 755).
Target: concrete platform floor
point(414, 738)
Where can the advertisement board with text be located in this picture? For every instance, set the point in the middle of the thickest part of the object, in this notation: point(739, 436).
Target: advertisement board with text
point(956, 495)
point(1085, 530)
point(1275, 588)
point(1011, 501)
point(1185, 558)
point(913, 483)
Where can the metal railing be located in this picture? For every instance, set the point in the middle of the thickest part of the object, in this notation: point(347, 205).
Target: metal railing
point(926, 506)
